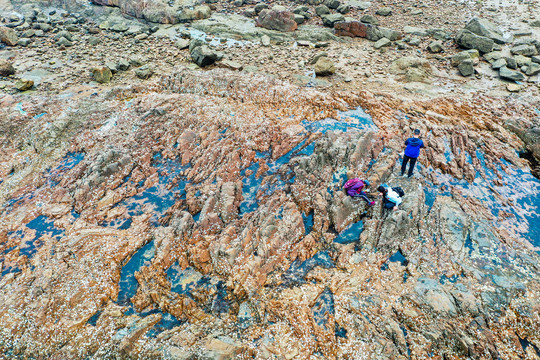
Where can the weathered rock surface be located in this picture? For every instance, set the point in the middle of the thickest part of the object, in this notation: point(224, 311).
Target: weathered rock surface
point(469, 40)
point(277, 20)
point(6, 68)
point(8, 36)
point(324, 66)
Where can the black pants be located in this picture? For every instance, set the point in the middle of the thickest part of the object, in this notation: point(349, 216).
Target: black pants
point(404, 165)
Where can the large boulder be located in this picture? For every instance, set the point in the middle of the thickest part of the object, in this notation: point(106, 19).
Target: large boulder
point(6, 68)
point(483, 27)
point(277, 20)
point(469, 40)
point(8, 36)
point(203, 55)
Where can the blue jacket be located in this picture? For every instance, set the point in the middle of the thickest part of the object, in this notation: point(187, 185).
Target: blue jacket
point(413, 147)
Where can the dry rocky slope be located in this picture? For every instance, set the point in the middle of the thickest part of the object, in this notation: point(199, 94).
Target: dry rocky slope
point(171, 180)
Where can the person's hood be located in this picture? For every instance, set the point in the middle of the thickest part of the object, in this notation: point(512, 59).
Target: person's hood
point(415, 141)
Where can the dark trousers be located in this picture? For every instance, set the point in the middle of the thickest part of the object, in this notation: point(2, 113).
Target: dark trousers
point(411, 165)
point(387, 203)
point(363, 195)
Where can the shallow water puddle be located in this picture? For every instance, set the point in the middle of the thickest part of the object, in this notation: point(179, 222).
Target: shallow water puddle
point(519, 196)
point(128, 283)
point(323, 308)
point(297, 272)
point(350, 234)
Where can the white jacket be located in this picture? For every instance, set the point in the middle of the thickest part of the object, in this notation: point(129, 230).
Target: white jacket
point(393, 196)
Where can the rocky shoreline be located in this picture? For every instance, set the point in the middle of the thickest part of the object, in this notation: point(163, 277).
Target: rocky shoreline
point(171, 180)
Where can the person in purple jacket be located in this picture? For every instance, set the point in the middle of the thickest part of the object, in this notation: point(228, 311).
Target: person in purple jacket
point(412, 151)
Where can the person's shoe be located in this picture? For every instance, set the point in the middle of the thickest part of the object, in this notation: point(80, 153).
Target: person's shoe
point(372, 203)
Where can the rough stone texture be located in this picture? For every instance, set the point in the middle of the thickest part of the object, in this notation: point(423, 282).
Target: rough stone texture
point(24, 84)
point(144, 72)
point(506, 73)
point(277, 20)
point(203, 55)
point(485, 28)
point(6, 68)
point(102, 74)
point(525, 50)
point(412, 69)
point(466, 67)
point(469, 40)
point(8, 36)
point(324, 67)
point(331, 19)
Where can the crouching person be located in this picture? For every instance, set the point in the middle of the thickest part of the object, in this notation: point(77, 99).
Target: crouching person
point(391, 196)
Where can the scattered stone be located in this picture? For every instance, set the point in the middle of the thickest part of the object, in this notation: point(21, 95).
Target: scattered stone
point(123, 65)
point(439, 34)
point(93, 40)
point(369, 19)
point(417, 12)
point(63, 34)
point(435, 47)
point(265, 40)
point(64, 42)
point(24, 42)
point(6, 68)
point(28, 33)
point(532, 69)
point(493, 56)
point(415, 31)
point(331, 19)
point(136, 61)
point(199, 12)
point(260, 7)
point(535, 59)
point(413, 69)
point(385, 11)
point(238, 3)
point(181, 44)
point(250, 12)
point(466, 67)
point(414, 42)
point(384, 42)
point(332, 4)
point(24, 84)
point(511, 62)
point(343, 9)
point(506, 73)
point(322, 10)
point(112, 66)
point(522, 60)
point(299, 19)
point(204, 55)
point(525, 50)
point(469, 40)
point(144, 72)
point(8, 36)
point(317, 57)
point(535, 23)
point(483, 27)
point(324, 67)
point(102, 74)
point(497, 64)
point(277, 20)
point(513, 87)
point(233, 65)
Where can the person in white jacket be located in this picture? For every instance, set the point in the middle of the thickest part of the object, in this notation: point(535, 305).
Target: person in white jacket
point(391, 199)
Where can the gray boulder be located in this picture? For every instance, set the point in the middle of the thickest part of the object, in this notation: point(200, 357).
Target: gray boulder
point(369, 19)
point(204, 56)
point(466, 67)
point(508, 74)
point(469, 40)
point(144, 72)
point(525, 50)
point(483, 27)
point(322, 10)
point(384, 42)
point(330, 19)
point(332, 4)
point(435, 47)
point(497, 64)
point(532, 69)
point(385, 11)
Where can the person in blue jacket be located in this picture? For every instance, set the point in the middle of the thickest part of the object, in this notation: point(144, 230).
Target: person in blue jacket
point(412, 151)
